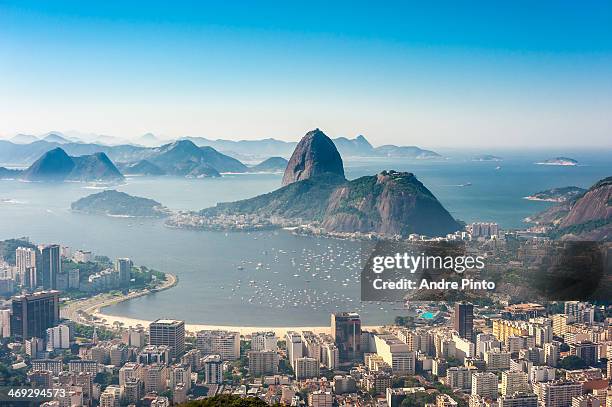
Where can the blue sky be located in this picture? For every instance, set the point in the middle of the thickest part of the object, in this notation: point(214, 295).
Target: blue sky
point(458, 73)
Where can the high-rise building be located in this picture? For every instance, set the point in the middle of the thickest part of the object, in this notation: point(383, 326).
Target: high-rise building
point(346, 331)
point(557, 393)
point(58, 337)
point(585, 350)
point(514, 382)
point(170, 333)
point(518, 400)
point(124, 268)
point(306, 368)
point(213, 369)
point(25, 260)
point(463, 320)
point(295, 347)
point(49, 265)
point(586, 400)
point(32, 314)
point(485, 384)
point(264, 341)
point(223, 343)
point(263, 362)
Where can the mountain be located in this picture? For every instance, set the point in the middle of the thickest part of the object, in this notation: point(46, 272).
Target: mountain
point(389, 203)
point(315, 191)
point(357, 147)
point(7, 173)
point(149, 140)
point(272, 164)
point(221, 162)
point(390, 150)
point(253, 148)
point(115, 203)
point(143, 167)
point(56, 165)
point(183, 158)
point(557, 194)
point(56, 138)
point(314, 155)
point(23, 139)
point(585, 217)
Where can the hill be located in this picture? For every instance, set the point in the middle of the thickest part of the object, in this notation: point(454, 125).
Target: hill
point(272, 164)
point(115, 203)
point(56, 165)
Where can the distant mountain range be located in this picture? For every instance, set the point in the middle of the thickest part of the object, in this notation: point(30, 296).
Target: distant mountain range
point(57, 166)
point(315, 190)
point(22, 149)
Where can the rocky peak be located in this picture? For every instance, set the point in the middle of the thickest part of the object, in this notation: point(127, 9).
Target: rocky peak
point(314, 155)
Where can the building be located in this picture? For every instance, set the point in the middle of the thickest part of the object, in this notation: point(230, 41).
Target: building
point(82, 256)
point(459, 378)
point(124, 268)
point(396, 396)
point(295, 348)
point(84, 365)
point(320, 398)
point(134, 337)
point(585, 350)
point(263, 362)
point(346, 332)
point(223, 343)
point(52, 365)
point(463, 320)
point(128, 371)
point(264, 341)
point(514, 382)
point(58, 337)
point(395, 353)
point(154, 378)
point(518, 400)
point(170, 333)
point(132, 390)
point(213, 369)
point(557, 393)
point(74, 279)
point(497, 360)
point(110, 397)
point(444, 400)
point(587, 400)
point(485, 384)
point(344, 384)
point(152, 354)
point(25, 261)
point(306, 368)
point(49, 265)
point(33, 314)
point(484, 229)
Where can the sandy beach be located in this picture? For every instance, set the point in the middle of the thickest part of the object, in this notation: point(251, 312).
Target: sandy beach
point(81, 311)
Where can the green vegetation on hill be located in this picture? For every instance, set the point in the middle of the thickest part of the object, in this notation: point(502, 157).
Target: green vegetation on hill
point(117, 203)
point(227, 400)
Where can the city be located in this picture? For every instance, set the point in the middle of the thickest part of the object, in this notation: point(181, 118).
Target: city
point(486, 353)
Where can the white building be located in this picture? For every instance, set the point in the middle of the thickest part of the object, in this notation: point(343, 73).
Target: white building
point(485, 384)
point(294, 347)
point(264, 341)
point(306, 368)
point(513, 382)
point(58, 337)
point(226, 344)
point(213, 369)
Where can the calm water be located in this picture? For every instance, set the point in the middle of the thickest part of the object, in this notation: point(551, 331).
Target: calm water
point(277, 278)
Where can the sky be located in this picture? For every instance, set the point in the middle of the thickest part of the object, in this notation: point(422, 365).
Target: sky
point(449, 74)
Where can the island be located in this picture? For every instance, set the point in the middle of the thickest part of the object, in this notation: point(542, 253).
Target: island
point(120, 204)
point(487, 157)
point(561, 161)
point(557, 194)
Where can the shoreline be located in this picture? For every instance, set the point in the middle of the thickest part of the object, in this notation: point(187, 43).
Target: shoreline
point(82, 311)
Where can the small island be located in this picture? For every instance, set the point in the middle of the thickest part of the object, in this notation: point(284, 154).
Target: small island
point(561, 161)
point(120, 204)
point(487, 157)
point(563, 194)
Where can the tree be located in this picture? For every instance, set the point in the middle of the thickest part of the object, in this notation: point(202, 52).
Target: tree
point(572, 363)
point(226, 400)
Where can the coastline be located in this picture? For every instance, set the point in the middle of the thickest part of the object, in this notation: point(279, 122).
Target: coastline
point(89, 312)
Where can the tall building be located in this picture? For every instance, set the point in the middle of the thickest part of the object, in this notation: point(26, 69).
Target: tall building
point(25, 260)
point(514, 382)
point(124, 268)
point(49, 265)
point(484, 384)
point(557, 393)
point(306, 368)
point(518, 400)
point(58, 337)
point(263, 362)
point(264, 341)
point(223, 343)
point(295, 347)
point(32, 314)
point(346, 331)
point(213, 369)
point(463, 320)
point(170, 333)
point(585, 350)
